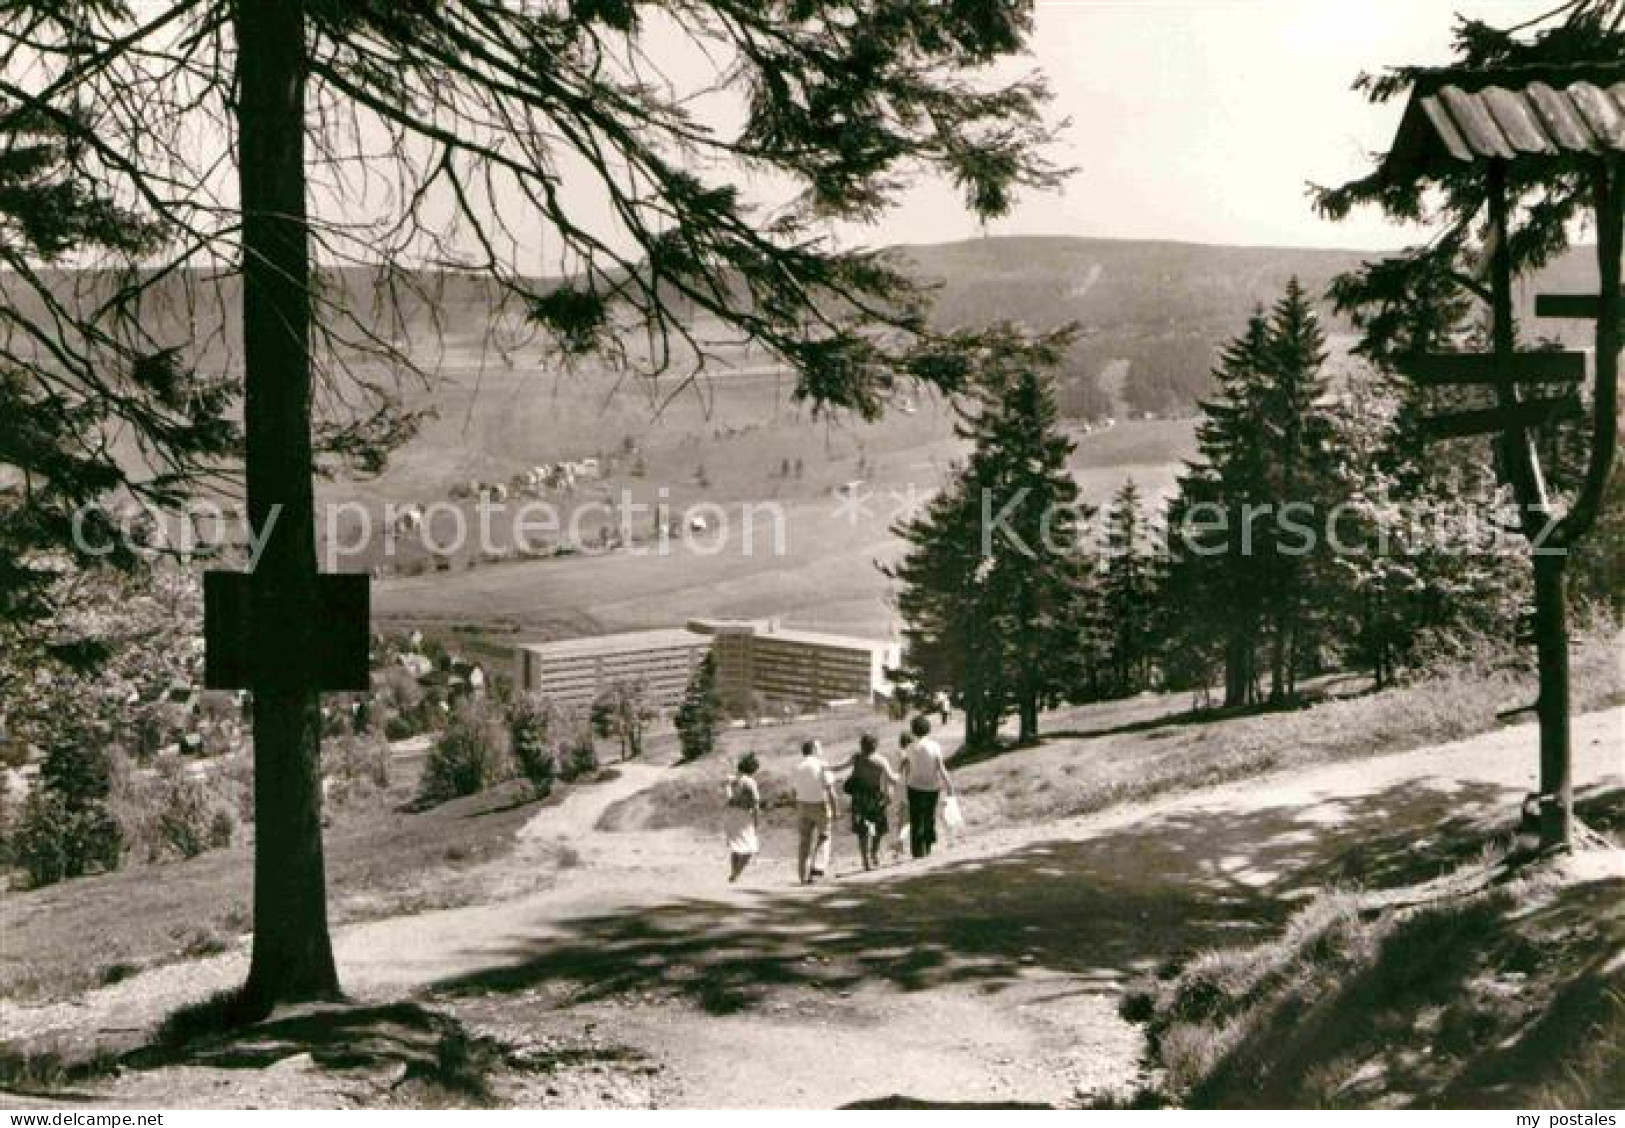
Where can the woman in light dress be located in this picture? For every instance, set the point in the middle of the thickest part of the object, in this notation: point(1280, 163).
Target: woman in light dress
point(743, 817)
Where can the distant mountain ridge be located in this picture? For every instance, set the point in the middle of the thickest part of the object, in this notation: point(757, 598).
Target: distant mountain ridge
point(1153, 314)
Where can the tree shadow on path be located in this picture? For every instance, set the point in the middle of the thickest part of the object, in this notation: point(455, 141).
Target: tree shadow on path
point(1098, 909)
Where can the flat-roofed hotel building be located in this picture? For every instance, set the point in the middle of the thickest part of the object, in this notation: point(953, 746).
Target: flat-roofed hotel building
point(804, 668)
point(578, 671)
point(755, 661)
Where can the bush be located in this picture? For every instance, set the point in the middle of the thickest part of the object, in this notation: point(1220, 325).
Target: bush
point(530, 722)
point(356, 769)
point(177, 814)
point(578, 756)
point(55, 840)
point(468, 758)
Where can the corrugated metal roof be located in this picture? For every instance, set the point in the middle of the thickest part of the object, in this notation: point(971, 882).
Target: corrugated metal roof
point(1457, 117)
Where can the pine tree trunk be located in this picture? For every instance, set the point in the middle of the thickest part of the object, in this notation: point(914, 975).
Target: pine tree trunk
point(1552, 646)
point(1278, 647)
point(1029, 719)
point(293, 954)
point(1238, 668)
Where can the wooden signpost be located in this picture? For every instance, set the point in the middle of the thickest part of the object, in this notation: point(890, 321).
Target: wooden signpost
point(1507, 373)
point(1545, 130)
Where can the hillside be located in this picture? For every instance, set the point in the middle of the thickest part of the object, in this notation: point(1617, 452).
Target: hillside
point(1153, 313)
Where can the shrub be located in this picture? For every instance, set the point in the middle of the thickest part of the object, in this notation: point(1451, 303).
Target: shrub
point(185, 818)
point(529, 725)
point(55, 840)
point(356, 769)
point(469, 757)
point(578, 755)
point(177, 814)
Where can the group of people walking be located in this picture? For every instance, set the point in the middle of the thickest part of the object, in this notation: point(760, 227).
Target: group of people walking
point(905, 784)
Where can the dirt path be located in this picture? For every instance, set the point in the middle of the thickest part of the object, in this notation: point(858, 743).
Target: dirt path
point(990, 973)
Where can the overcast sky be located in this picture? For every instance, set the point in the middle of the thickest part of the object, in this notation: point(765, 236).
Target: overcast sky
point(1202, 119)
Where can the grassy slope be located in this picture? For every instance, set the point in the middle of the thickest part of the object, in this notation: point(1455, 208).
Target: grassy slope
point(1512, 997)
point(382, 861)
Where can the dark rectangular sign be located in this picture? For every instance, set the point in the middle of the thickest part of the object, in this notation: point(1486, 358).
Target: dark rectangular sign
point(340, 663)
point(1575, 307)
point(1440, 369)
point(1578, 307)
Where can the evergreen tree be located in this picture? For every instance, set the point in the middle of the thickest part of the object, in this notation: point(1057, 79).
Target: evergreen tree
point(80, 383)
point(1092, 638)
point(66, 828)
point(1030, 517)
point(1249, 559)
point(1213, 589)
point(1415, 582)
point(940, 603)
point(530, 728)
point(991, 582)
point(1199, 636)
point(699, 716)
point(1127, 601)
point(1298, 436)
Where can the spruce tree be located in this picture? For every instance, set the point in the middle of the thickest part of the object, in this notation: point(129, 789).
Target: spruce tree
point(1298, 437)
point(1213, 589)
point(699, 715)
point(1128, 593)
point(1249, 559)
point(992, 578)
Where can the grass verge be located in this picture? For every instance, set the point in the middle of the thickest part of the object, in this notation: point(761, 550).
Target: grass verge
point(1491, 987)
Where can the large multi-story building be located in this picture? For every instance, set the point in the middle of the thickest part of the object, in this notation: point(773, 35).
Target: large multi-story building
point(578, 671)
point(758, 664)
point(762, 662)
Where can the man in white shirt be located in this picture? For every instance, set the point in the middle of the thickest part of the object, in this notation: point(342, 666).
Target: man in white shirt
point(926, 776)
point(814, 786)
